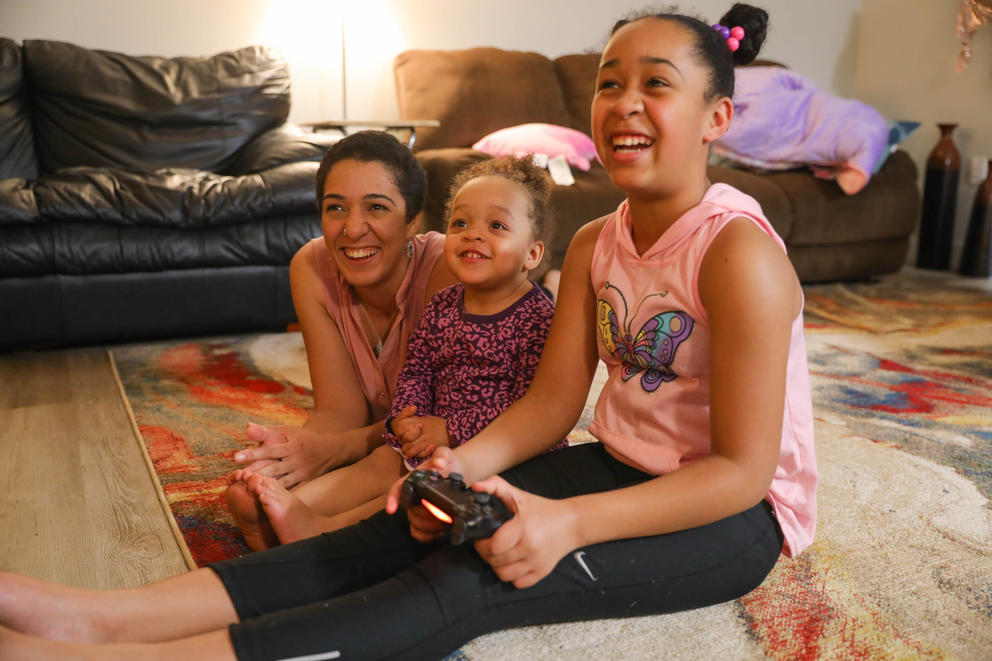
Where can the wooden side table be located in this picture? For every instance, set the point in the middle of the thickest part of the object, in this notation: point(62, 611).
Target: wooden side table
point(410, 126)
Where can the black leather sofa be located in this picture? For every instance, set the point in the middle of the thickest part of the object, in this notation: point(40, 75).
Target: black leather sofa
point(145, 197)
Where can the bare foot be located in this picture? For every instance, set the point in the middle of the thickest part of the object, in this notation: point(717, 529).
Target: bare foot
point(291, 518)
point(249, 514)
point(851, 180)
point(38, 608)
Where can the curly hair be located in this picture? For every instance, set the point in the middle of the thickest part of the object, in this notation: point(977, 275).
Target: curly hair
point(379, 147)
point(519, 169)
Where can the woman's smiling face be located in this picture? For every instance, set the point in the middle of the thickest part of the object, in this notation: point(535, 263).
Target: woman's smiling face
point(363, 219)
point(651, 122)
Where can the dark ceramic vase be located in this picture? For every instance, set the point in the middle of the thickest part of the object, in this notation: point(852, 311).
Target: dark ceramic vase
point(976, 260)
point(940, 191)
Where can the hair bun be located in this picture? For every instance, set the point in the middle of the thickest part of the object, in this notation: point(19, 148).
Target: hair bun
point(754, 20)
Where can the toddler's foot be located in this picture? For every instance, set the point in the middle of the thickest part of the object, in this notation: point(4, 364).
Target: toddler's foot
point(250, 516)
point(290, 517)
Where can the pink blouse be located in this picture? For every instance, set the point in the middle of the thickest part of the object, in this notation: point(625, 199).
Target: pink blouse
point(377, 374)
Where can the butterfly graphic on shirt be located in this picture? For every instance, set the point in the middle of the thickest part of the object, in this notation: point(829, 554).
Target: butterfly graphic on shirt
point(651, 350)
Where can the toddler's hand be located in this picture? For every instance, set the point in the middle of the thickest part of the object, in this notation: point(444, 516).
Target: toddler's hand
point(421, 439)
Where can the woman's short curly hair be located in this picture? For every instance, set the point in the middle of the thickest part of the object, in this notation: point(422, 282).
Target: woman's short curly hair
point(379, 147)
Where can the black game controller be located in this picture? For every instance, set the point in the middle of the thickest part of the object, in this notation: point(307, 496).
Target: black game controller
point(472, 514)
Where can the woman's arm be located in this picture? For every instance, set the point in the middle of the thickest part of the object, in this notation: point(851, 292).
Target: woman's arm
point(751, 296)
point(338, 431)
point(339, 403)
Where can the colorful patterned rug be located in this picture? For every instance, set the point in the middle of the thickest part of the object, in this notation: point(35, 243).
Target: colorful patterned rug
point(902, 562)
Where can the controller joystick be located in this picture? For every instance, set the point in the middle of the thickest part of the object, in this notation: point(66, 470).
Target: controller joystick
point(472, 515)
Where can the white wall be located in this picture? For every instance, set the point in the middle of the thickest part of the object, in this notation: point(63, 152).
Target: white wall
point(308, 33)
point(905, 68)
point(816, 38)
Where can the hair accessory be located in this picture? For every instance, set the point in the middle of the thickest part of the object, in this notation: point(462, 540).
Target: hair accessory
point(732, 35)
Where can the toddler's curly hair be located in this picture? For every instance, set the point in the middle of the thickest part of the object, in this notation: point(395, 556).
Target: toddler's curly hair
point(519, 169)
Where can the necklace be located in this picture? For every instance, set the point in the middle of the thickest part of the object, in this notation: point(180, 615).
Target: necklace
point(377, 349)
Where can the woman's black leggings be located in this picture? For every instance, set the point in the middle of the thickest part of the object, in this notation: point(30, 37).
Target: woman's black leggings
point(371, 592)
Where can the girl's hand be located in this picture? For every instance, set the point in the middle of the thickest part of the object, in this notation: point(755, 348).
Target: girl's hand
point(425, 527)
point(527, 547)
point(289, 454)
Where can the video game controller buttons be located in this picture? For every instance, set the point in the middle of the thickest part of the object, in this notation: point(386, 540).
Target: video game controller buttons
point(482, 497)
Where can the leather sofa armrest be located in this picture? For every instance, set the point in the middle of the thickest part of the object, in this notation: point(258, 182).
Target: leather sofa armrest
point(284, 144)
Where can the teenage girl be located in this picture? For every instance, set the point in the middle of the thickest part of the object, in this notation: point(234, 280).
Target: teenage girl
point(704, 475)
point(473, 353)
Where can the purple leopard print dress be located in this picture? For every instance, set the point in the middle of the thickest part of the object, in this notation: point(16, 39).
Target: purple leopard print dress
point(468, 368)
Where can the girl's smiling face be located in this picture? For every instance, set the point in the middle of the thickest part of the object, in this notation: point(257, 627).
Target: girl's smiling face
point(651, 121)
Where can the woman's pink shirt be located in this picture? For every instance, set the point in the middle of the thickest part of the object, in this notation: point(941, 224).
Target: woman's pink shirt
point(377, 374)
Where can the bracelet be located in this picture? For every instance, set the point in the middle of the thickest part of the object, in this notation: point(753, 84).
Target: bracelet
point(388, 426)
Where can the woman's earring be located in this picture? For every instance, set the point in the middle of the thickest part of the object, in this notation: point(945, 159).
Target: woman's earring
point(409, 248)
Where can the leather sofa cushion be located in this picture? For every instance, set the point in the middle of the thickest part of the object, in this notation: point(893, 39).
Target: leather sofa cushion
point(17, 203)
point(84, 248)
point(100, 108)
point(17, 156)
point(476, 91)
point(175, 198)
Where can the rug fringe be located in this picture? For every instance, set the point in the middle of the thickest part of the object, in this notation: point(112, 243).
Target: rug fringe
point(180, 541)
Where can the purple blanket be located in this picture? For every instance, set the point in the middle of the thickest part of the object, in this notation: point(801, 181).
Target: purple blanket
point(782, 118)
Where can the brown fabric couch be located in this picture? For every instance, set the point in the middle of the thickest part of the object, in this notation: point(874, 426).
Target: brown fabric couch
point(829, 235)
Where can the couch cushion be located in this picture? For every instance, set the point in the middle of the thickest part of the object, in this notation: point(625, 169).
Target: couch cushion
point(17, 203)
point(888, 207)
point(475, 92)
point(17, 156)
point(175, 198)
point(86, 247)
point(99, 108)
point(577, 76)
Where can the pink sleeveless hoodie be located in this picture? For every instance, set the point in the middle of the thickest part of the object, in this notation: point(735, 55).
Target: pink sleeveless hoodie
point(653, 412)
point(378, 374)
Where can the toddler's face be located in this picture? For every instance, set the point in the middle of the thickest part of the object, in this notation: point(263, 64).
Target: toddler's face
point(489, 242)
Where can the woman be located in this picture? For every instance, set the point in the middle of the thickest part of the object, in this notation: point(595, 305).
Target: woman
point(359, 291)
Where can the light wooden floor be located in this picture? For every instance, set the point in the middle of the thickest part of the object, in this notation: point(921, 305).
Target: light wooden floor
point(77, 505)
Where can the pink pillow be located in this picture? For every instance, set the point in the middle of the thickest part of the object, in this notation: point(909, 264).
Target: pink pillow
point(575, 146)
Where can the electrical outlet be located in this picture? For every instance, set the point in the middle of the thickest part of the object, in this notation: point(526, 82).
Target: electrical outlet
point(979, 170)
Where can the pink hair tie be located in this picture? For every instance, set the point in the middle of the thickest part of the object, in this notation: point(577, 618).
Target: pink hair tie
point(732, 35)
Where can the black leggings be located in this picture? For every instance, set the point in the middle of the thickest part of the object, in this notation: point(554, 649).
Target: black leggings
point(371, 592)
